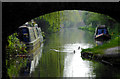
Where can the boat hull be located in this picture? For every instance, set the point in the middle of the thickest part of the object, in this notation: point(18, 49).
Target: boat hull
point(102, 37)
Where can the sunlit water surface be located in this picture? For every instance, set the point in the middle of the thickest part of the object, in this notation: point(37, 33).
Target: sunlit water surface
point(74, 66)
point(61, 55)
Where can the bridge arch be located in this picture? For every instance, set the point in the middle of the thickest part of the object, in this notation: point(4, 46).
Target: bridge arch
point(15, 14)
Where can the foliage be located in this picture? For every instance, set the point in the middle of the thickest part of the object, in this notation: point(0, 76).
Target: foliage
point(43, 34)
point(87, 28)
point(15, 66)
point(71, 18)
point(15, 46)
point(53, 22)
point(49, 22)
point(93, 19)
point(115, 31)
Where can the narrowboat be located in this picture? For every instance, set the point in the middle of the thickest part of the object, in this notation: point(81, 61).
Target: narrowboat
point(101, 33)
point(31, 36)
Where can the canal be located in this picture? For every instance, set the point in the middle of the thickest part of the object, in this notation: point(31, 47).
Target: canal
point(60, 56)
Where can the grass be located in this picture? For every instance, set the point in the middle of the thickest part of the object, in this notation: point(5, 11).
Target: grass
point(100, 49)
point(87, 28)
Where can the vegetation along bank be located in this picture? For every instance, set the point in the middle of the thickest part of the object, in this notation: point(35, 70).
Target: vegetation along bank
point(99, 52)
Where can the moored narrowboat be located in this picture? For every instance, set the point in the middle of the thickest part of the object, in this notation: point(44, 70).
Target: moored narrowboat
point(101, 33)
point(31, 36)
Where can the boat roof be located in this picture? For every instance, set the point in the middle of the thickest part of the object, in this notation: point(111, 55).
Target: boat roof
point(22, 26)
point(101, 26)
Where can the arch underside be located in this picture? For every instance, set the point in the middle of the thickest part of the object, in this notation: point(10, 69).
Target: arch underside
point(15, 14)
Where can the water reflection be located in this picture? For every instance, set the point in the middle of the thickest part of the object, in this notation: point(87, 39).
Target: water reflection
point(74, 66)
point(36, 58)
point(99, 43)
point(102, 70)
point(58, 58)
point(31, 63)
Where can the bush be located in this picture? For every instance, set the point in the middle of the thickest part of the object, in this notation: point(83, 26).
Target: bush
point(15, 46)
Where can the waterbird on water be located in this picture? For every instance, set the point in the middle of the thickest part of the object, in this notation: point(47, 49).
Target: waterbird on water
point(78, 47)
point(74, 51)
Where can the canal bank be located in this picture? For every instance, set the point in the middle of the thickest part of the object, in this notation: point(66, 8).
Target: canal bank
point(107, 53)
point(106, 50)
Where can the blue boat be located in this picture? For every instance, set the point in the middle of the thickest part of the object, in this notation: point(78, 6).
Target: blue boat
point(101, 33)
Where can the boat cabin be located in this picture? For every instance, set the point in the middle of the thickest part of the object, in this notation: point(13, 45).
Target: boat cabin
point(31, 36)
point(23, 34)
point(101, 33)
point(101, 29)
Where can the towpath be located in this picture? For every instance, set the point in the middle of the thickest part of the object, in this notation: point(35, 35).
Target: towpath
point(113, 50)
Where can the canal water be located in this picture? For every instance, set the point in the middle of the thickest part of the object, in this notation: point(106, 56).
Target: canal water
point(60, 56)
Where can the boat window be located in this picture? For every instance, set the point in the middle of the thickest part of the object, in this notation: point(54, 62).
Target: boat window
point(24, 35)
point(24, 30)
point(32, 37)
point(100, 31)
